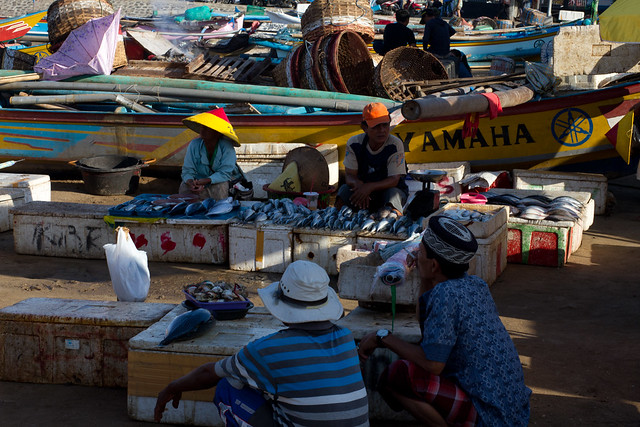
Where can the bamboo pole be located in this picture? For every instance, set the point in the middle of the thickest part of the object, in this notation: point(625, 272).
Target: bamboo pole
point(430, 107)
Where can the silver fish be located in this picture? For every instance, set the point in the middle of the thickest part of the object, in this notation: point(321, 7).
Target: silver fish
point(208, 203)
point(368, 225)
point(194, 209)
point(384, 224)
point(220, 208)
point(187, 325)
point(178, 209)
point(260, 217)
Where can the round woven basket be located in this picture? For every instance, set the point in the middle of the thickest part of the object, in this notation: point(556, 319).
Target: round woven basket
point(484, 20)
point(350, 63)
point(285, 74)
point(306, 61)
point(324, 17)
point(323, 67)
point(403, 66)
point(64, 16)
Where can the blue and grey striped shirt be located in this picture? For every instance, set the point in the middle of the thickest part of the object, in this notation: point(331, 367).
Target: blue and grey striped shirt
point(309, 372)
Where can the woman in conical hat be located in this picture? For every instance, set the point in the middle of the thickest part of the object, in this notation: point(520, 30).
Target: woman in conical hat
point(210, 162)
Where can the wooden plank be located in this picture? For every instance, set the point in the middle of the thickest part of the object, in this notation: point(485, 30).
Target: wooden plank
point(195, 64)
point(259, 68)
point(221, 66)
point(151, 371)
point(226, 74)
point(246, 65)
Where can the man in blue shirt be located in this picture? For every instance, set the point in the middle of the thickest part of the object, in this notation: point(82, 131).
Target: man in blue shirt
point(305, 375)
point(437, 33)
point(466, 370)
point(210, 162)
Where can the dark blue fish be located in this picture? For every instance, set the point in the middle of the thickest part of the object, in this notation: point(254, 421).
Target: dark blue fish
point(178, 209)
point(187, 325)
point(195, 209)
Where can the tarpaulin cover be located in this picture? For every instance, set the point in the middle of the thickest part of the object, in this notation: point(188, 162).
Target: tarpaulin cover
point(89, 49)
point(620, 22)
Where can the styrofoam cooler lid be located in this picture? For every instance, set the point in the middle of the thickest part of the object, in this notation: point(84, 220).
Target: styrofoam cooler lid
point(7, 194)
point(22, 180)
point(85, 312)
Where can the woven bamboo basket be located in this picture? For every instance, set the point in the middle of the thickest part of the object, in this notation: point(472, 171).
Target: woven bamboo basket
point(323, 67)
point(64, 16)
point(403, 66)
point(325, 17)
point(286, 73)
point(306, 61)
point(350, 63)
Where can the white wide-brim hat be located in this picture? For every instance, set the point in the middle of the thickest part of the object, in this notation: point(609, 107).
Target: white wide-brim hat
point(302, 295)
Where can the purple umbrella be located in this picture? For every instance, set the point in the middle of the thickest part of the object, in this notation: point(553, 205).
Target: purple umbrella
point(89, 49)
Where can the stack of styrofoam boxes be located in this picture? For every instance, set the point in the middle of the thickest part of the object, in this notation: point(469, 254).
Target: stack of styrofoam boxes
point(59, 341)
point(17, 189)
point(151, 368)
point(449, 186)
point(267, 248)
point(596, 184)
point(262, 163)
point(491, 258)
point(546, 242)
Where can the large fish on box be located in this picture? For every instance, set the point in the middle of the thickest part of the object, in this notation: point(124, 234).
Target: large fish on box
point(187, 325)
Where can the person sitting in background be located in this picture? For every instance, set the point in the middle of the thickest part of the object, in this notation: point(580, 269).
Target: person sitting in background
point(210, 162)
point(398, 34)
point(374, 166)
point(307, 374)
point(437, 33)
point(465, 370)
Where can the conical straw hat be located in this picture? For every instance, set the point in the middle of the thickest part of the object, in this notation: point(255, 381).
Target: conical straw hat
point(214, 119)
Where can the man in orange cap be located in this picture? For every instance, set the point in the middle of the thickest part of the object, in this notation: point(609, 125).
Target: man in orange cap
point(375, 167)
point(210, 162)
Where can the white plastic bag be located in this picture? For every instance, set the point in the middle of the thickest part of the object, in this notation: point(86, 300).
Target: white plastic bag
point(128, 268)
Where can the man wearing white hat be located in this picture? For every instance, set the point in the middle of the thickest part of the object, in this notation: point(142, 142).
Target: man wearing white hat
point(210, 162)
point(307, 374)
point(465, 370)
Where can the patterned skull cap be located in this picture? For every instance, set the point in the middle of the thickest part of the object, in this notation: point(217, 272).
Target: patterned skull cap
point(450, 240)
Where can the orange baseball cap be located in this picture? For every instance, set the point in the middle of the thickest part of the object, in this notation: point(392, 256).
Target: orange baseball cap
point(375, 113)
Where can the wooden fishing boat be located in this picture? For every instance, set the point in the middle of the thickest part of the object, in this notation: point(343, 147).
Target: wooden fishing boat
point(546, 133)
point(13, 28)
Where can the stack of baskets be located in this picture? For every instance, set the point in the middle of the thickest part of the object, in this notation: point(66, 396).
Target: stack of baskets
point(64, 16)
point(324, 17)
point(334, 55)
point(404, 68)
point(337, 62)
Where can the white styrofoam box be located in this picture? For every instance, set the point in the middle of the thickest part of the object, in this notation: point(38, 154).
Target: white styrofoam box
point(362, 321)
point(9, 198)
point(349, 252)
point(357, 282)
point(480, 229)
point(262, 163)
point(61, 229)
point(320, 246)
point(182, 240)
point(570, 15)
point(265, 248)
point(36, 187)
point(596, 184)
point(79, 231)
point(151, 368)
point(449, 186)
point(583, 197)
point(490, 259)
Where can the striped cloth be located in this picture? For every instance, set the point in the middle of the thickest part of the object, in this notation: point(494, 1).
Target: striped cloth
point(310, 372)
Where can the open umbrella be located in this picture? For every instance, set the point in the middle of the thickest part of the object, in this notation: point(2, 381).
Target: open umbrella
point(620, 22)
point(89, 49)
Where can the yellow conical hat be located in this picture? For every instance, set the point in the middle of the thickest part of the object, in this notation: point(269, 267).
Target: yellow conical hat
point(288, 181)
point(215, 119)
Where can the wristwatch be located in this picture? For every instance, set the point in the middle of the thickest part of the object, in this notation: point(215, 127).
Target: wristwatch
point(380, 335)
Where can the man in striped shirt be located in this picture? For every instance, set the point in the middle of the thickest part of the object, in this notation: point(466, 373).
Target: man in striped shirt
point(307, 374)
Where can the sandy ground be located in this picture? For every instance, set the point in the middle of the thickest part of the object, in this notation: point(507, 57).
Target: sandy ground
point(576, 328)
